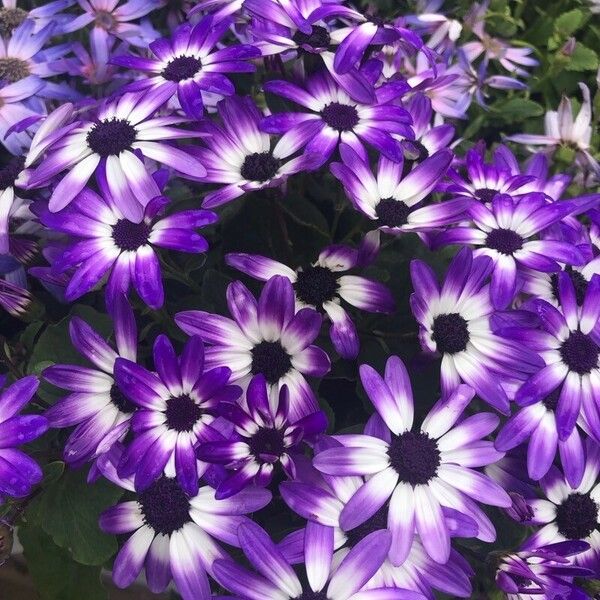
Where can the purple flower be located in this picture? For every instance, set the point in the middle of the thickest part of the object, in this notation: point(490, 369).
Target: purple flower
point(331, 117)
point(11, 15)
point(454, 321)
point(18, 472)
point(240, 156)
point(547, 570)
point(176, 408)
point(506, 230)
point(264, 438)
point(321, 498)
point(394, 199)
point(570, 513)
point(420, 471)
point(173, 533)
point(321, 286)
point(566, 388)
point(269, 337)
point(13, 298)
point(276, 579)
point(109, 144)
point(282, 26)
point(188, 65)
point(561, 129)
point(105, 241)
point(95, 404)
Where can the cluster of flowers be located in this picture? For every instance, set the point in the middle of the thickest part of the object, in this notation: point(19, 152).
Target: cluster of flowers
point(203, 438)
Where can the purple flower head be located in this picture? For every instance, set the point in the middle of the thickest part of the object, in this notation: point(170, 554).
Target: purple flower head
point(570, 513)
point(174, 534)
point(330, 117)
point(268, 336)
point(177, 405)
point(321, 498)
point(397, 200)
point(18, 472)
point(109, 144)
point(113, 19)
point(418, 471)
point(306, 28)
point(103, 241)
point(240, 156)
point(507, 231)
point(566, 388)
point(323, 286)
point(264, 439)
point(275, 578)
point(454, 322)
point(188, 64)
point(546, 571)
point(95, 405)
point(11, 16)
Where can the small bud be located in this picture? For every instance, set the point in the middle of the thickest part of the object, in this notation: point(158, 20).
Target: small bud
point(569, 47)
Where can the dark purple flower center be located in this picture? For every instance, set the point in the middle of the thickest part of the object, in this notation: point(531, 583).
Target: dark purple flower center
point(111, 136)
point(267, 441)
point(318, 38)
point(13, 69)
point(130, 236)
point(260, 166)
point(392, 213)
point(118, 398)
point(308, 594)
point(341, 117)
point(485, 194)
point(577, 516)
point(165, 506)
point(551, 400)
point(316, 285)
point(377, 522)
point(13, 165)
point(182, 413)
point(182, 67)
point(580, 353)
point(580, 284)
point(414, 456)
point(505, 241)
point(450, 333)
point(11, 18)
point(270, 359)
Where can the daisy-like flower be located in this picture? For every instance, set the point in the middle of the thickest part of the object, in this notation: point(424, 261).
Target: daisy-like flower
point(331, 116)
point(103, 241)
point(454, 322)
point(397, 201)
point(323, 285)
point(506, 230)
point(562, 128)
point(176, 407)
point(269, 337)
point(173, 534)
point(18, 472)
point(264, 438)
point(569, 380)
point(418, 471)
point(111, 18)
point(188, 64)
point(570, 513)
point(305, 27)
point(277, 580)
point(107, 144)
point(239, 154)
point(11, 15)
point(545, 572)
point(95, 404)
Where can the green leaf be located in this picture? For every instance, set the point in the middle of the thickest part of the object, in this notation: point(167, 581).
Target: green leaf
point(569, 22)
point(518, 109)
point(55, 574)
point(68, 511)
point(582, 59)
